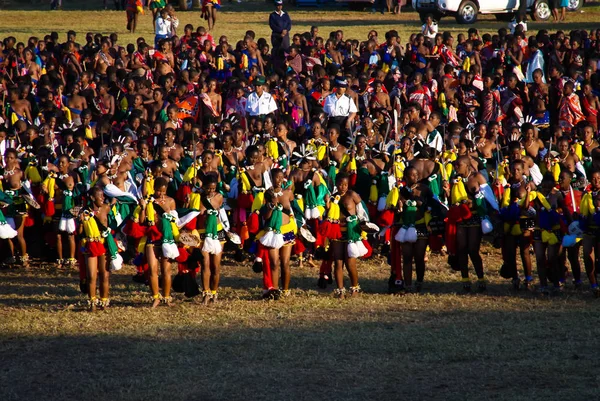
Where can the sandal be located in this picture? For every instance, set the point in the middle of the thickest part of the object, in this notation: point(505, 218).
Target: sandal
point(24, 260)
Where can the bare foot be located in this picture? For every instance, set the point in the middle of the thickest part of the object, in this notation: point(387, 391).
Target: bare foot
point(155, 303)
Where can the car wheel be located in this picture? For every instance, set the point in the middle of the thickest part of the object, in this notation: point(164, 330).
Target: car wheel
point(575, 5)
point(467, 13)
point(541, 11)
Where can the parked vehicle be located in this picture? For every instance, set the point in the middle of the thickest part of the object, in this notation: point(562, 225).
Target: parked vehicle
point(466, 11)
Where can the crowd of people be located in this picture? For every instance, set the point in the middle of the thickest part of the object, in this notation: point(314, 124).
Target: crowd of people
point(321, 148)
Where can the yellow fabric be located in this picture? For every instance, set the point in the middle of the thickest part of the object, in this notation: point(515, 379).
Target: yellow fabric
point(136, 214)
point(352, 164)
point(259, 200)
point(578, 148)
point(194, 201)
point(458, 193)
point(399, 168)
point(175, 230)
point(90, 228)
point(300, 202)
point(190, 173)
point(466, 64)
point(549, 237)
point(393, 198)
point(586, 207)
point(149, 185)
point(272, 149)
point(373, 195)
point(142, 245)
point(150, 213)
point(334, 209)
point(543, 201)
point(48, 185)
point(32, 174)
point(243, 178)
point(555, 169)
point(88, 133)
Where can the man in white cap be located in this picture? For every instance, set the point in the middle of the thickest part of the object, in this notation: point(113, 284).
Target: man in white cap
point(280, 24)
point(339, 106)
point(260, 102)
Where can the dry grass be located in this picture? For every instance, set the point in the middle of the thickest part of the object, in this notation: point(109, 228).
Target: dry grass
point(435, 346)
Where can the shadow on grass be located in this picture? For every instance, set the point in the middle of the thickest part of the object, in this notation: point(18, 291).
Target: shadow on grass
point(531, 355)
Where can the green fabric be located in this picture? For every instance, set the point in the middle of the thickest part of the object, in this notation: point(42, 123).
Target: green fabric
point(185, 163)
point(68, 204)
point(481, 205)
point(434, 184)
point(84, 173)
point(331, 175)
point(111, 245)
point(276, 220)
point(139, 166)
point(230, 175)
point(310, 198)
point(363, 182)
point(383, 186)
point(167, 231)
point(409, 215)
point(162, 116)
point(353, 229)
point(5, 198)
point(298, 214)
point(211, 220)
point(2, 218)
point(322, 193)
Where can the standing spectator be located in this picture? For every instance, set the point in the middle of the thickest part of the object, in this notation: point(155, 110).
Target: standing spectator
point(134, 7)
point(429, 28)
point(280, 24)
point(563, 9)
point(162, 26)
point(209, 12)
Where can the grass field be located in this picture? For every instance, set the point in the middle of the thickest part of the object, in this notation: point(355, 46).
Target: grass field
point(434, 346)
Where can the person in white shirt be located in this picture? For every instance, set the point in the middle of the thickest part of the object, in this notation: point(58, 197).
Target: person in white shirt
point(429, 28)
point(163, 27)
point(340, 107)
point(260, 103)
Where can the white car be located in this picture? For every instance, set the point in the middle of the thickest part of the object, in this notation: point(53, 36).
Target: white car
point(466, 11)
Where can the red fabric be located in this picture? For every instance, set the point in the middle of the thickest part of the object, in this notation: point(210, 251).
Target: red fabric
point(243, 233)
point(316, 224)
point(153, 234)
point(369, 249)
point(263, 253)
point(245, 201)
point(49, 208)
point(455, 215)
point(30, 219)
point(299, 247)
point(326, 267)
point(134, 229)
point(183, 192)
point(183, 255)
point(373, 212)
point(253, 223)
point(352, 180)
point(386, 218)
point(192, 224)
point(95, 248)
point(396, 255)
point(435, 243)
